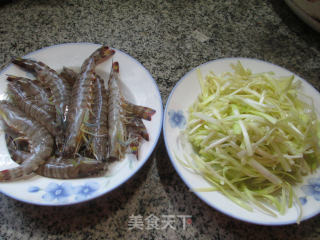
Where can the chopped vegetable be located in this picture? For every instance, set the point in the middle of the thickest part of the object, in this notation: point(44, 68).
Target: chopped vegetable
point(253, 137)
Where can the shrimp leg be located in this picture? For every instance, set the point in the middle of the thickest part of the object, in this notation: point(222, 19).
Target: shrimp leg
point(41, 142)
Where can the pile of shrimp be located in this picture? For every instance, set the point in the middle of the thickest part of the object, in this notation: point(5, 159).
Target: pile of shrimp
point(69, 124)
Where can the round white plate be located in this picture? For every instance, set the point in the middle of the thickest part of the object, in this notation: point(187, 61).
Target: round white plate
point(140, 89)
point(175, 116)
point(304, 16)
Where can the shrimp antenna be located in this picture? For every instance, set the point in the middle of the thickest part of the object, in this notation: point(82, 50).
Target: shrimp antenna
point(111, 72)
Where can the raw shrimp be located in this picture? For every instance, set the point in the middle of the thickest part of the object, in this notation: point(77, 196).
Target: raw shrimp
point(59, 88)
point(58, 168)
point(98, 121)
point(117, 131)
point(90, 124)
point(126, 129)
point(70, 168)
point(40, 141)
point(35, 92)
point(81, 99)
point(32, 110)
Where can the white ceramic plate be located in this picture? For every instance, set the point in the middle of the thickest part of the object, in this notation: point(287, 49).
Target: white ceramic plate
point(140, 89)
point(182, 96)
point(304, 16)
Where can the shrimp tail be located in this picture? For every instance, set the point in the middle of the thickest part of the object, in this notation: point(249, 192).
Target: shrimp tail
point(138, 111)
point(24, 63)
point(134, 145)
point(12, 78)
point(13, 173)
point(138, 126)
point(136, 131)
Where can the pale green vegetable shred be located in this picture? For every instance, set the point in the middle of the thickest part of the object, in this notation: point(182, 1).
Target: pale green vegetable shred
point(254, 137)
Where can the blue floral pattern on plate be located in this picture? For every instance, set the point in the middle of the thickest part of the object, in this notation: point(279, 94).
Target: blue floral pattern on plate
point(313, 188)
point(66, 192)
point(59, 192)
point(86, 190)
point(33, 189)
point(176, 119)
point(303, 200)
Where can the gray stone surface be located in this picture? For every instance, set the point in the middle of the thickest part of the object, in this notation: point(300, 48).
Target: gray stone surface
point(169, 38)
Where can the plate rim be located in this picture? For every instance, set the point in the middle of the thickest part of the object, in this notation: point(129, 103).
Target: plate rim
point(133, 173)
point(175, 164)
point(305, 17)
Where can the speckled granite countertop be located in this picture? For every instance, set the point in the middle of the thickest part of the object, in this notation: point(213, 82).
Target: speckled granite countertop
point(169, 38)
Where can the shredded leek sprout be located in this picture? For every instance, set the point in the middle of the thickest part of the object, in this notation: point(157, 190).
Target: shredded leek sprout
point(253, 138)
